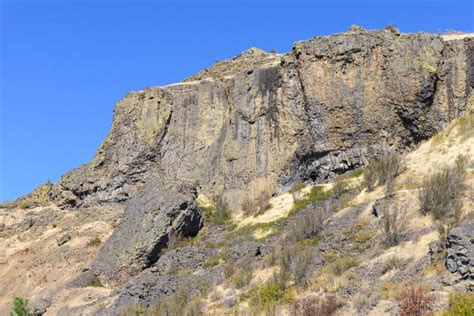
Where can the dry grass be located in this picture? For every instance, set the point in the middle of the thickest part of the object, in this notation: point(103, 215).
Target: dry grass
point(256, 198)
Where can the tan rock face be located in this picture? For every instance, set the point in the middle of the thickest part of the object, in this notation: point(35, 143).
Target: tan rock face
point(330, 105)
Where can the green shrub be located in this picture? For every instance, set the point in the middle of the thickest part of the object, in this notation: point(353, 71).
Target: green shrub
point(297, 187)
point(441, 194)
point(270, 294)
point(242, 279)
point(94, 282)
point(218, 213)
point(361, 236)
point(460, 304)
point(356, 173)
point(317, 193)
point(341, 265)
point(212, 262)
point(25, 205)
point(19, 307)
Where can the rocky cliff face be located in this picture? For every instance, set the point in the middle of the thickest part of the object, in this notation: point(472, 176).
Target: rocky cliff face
point(329, 106)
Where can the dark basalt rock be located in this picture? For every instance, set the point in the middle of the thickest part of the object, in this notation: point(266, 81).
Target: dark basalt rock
point(460, 250)
point(162, 211)
point(329, 106)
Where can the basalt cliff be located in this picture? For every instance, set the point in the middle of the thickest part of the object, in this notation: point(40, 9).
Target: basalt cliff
point(254, 125)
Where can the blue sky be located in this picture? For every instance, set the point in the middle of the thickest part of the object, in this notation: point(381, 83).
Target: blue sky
point(64, 64)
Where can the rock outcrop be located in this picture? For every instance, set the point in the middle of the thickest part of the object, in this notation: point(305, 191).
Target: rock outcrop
point(163, 211)
point(460, 250)
point(329, 106)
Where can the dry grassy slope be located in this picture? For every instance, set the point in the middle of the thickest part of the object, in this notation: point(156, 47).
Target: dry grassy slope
point(32, 264)
point(440, 151)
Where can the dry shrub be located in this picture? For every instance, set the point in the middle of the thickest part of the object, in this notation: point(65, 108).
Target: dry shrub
point(392, 263)
point(294, 262)
point(341, 265)
point(382, 170)
point(229, 269)
point(339, 187)
point(284, 260)
point(94, 242)
point(242, 278)
point(365, 299)
point(304, 227)
point(181, 303)
point(255, 199)
point(416, 301)
point(315, 307)
point(297, 190)
point(441, 194)
point(302, 266)
point(443, 230)
point(393, 225)
point(218, 211)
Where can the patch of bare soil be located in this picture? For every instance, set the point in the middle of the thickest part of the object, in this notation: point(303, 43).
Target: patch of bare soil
point(43, 248)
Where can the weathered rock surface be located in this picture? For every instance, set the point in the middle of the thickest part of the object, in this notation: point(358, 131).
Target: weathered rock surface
point(460, 246)
point(328, 106)
point(63, 239)
point(164, 210)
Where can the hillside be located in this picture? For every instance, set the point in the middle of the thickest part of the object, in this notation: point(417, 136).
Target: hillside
point(280, 184)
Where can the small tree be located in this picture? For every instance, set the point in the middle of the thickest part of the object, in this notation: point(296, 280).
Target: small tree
point(19, 307)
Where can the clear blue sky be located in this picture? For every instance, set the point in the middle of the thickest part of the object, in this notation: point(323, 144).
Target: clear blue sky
point(64, 64)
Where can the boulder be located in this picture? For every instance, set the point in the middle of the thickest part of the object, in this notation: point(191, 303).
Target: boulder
point(63, 239)
point(460, 250)
point(38, 307)
point(164, 210)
